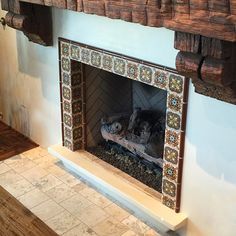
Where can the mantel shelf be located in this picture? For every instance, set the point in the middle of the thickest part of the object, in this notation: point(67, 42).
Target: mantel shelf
point(208, 61)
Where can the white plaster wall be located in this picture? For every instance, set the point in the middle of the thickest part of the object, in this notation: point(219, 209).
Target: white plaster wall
point(29, 100)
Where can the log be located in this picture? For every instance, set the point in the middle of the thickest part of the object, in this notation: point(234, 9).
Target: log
point(135, 148)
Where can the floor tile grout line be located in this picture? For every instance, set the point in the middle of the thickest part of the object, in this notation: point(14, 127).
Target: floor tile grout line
point(77, 192)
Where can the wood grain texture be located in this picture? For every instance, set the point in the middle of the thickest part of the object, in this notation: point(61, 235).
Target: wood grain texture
point(15, 219)
point(210, 18)
point(210, 63)
point(12, 142)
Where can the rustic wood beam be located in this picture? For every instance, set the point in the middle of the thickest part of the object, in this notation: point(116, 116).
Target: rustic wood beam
point(33, 20)
point(205, 31)
point(210, 63)
point(200, 17)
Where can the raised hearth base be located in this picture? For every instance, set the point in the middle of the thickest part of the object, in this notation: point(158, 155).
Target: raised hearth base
point(131, 195)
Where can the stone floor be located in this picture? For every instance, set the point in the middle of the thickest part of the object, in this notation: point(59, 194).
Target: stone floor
point(63, 201)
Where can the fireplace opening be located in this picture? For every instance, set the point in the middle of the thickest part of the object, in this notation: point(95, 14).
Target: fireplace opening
point(125, 124)
point(127, 112)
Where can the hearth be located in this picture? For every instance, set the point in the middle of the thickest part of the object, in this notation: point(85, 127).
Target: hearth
point(127, 112)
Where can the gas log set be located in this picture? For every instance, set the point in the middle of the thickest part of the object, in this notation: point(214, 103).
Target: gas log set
point(142, 133)
point(134, 143)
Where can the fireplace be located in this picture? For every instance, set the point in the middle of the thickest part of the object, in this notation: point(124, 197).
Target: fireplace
point(128, 112)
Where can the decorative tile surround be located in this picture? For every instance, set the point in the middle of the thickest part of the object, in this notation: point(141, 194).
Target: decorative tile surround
point(72, 57)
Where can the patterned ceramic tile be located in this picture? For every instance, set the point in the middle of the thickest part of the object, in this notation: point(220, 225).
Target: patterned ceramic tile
point(173, 120)
point(77, 145)
point(77, 120)
point(76, 93)
point(172, 138)
point(107, 62)
point(176, 83)
point(65, 63)
point(75, 52)
point(168, 202)
point(160, 79)
point(169, 188)
point(132, 70)
point(77, 107)
point(66, 93)
point(163, 79)
point(171, 155)
point(76, 79)
point(174, 102)
point(77, 133)
point(67, 120)
point(68, 133)
point(169, 171)
point(96, 59)
point(67, 106)
point(65, 49)
point(68, 144)
point(145, 74)
point(85, 55)
point(66, 78)
point(119, 66)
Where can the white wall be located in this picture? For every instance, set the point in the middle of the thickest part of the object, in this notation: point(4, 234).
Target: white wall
point(29, 99)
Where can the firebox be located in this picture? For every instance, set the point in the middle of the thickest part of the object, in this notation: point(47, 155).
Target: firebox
point(127, 112)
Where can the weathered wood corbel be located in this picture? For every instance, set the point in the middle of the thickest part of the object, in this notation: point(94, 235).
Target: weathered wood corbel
point(33, 20)
point(210, 63)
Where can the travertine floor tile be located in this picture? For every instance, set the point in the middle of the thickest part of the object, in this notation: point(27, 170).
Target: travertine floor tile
point(56, 170)
point(130, 233)
point(47, 182)
point(3, 168)
point(35, 174)
point(22, 165)
point(136, 225)
point(116, 212)
point(9, 177)
point(79, 187)
point(80, 230)
point(69, 179)
point(92, 215)
point(19, 188)
point(76, 204)
point(110, 227)
point(46, 161)
point(47, 210)
point(63, 222)
point(35, 153)
point(48, 190)
point(13, 159)
point(33, 198)
point(151, 232)
point(95, 197)
point(61, 192)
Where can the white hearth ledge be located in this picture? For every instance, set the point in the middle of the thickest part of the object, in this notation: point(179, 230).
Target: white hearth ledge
point(133, 198)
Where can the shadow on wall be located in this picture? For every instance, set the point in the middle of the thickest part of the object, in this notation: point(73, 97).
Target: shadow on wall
point(212, 131)
point(40, 63)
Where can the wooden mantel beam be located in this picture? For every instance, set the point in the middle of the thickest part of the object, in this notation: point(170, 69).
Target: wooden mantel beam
point(205, 32)
point(205, 17)
point(210, 63)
